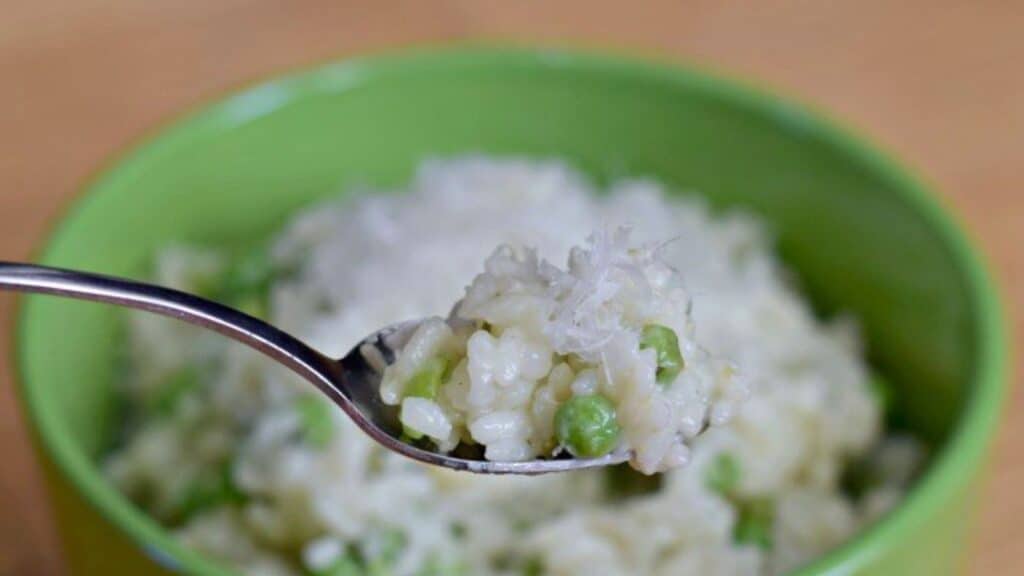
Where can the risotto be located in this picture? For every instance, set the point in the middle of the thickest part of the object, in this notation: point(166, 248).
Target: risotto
point(537, 361)
point(250, 466)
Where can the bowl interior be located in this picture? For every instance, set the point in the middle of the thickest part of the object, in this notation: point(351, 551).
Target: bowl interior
point(857, 231)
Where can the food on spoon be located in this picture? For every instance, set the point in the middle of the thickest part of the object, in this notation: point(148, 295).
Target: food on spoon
point(538, 361)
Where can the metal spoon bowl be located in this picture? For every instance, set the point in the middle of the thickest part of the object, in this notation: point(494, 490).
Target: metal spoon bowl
point(352, 382)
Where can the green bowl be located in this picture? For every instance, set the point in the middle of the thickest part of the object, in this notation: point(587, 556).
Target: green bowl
point(862, 234)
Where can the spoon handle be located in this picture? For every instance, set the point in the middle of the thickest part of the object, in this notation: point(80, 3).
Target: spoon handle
point(286, 349)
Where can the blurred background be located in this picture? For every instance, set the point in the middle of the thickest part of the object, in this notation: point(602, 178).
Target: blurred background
point(937, 83)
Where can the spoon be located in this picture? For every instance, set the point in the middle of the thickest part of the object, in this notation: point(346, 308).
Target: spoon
point(351, 382)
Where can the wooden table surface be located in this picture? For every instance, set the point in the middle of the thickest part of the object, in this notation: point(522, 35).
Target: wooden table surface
point(939, 83)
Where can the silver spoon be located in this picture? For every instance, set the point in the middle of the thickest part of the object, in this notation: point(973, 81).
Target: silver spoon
point(351, 382)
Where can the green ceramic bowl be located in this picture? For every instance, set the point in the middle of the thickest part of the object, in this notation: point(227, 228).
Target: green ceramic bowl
point(862, 234)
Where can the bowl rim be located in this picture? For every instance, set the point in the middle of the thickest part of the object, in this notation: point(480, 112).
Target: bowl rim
point(953, 466)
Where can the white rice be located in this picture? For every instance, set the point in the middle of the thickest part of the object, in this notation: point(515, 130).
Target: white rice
point(359, 265)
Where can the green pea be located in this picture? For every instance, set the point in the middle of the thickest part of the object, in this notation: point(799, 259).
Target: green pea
point(587, 426)
point(665, 343)
point(723, 475)
point(754, 524)
point(315, 423)
point(173, 390)
point(427, 381)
